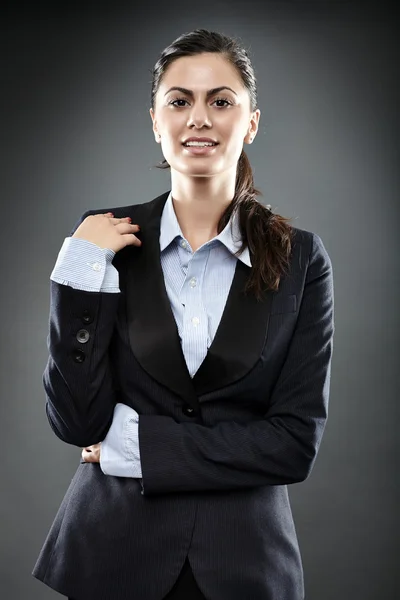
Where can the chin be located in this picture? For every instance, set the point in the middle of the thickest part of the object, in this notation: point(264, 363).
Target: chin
point(198, 174)
point(198, 170)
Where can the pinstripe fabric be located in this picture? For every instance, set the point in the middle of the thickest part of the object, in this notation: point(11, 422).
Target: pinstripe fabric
point(214, 482)
point(85, 266)
point(197, 283)
point(185, 587)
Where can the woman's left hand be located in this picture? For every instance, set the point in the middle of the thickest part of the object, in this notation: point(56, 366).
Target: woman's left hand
point(91, 453)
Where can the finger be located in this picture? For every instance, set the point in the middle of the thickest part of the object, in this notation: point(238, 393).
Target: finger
point(113, 219)
point(117, 220)
point(132, 240)
point(126, 230)
point(126, 227)
point(87, 456)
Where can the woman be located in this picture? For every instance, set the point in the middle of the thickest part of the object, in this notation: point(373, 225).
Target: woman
point(194, 370)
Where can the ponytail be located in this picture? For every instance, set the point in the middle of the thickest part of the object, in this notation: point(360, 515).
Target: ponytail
point(267, 235)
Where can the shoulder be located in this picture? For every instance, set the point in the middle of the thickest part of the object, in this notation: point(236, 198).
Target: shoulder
point(309, 252)
point(309, 241)
point(139, 212)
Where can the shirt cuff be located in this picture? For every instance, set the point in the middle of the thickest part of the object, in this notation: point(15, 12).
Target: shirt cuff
point(85, 266)
point(119, 452)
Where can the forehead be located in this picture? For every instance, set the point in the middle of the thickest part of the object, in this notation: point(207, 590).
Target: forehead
point(202, 72)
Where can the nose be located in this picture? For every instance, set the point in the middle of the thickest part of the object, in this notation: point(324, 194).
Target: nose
point(199, 117)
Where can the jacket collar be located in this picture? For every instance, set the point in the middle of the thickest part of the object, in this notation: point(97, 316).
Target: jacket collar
point(240, 337)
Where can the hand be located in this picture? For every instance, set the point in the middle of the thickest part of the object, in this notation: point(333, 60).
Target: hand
point(91, 453)
point(108, 232)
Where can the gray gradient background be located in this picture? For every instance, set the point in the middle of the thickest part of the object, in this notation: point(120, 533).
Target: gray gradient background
point(77, 135)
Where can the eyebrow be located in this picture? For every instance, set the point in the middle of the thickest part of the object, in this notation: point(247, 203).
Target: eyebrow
point(209, 93)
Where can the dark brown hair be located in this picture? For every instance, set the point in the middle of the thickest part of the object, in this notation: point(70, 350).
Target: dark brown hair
point(267, 235)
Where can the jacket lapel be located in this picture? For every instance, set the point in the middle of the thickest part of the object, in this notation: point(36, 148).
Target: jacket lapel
point(153, 334)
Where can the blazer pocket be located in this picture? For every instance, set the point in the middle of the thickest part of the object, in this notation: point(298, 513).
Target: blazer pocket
point(286, 304)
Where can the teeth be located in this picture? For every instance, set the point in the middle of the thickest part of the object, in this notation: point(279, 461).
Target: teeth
point(199, 144)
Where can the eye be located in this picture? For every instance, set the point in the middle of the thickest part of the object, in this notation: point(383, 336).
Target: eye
point(173, 102)
point(225, 100)
point(181, 102)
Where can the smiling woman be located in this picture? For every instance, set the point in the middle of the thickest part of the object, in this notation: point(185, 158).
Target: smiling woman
point(201, 391)
point(223, 109)
point(204, 90)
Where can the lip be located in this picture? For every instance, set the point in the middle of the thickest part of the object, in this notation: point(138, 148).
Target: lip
point(199, 139)
point(199, 150)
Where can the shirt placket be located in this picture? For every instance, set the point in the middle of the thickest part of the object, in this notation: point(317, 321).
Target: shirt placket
point(195, 321)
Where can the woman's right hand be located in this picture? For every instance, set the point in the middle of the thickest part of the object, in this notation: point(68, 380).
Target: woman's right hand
point(107, 231)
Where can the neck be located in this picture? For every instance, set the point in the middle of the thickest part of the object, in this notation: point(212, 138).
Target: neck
point(199, 203)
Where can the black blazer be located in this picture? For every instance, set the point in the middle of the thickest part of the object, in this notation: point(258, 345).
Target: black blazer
point(217, 451)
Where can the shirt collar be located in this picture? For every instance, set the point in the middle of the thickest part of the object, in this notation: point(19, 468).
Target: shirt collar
point(231, 238)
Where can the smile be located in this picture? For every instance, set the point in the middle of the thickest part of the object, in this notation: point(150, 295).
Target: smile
point(199, 144)
point(199, 148)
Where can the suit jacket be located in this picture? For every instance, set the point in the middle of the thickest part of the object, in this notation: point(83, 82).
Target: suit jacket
point(217, 450)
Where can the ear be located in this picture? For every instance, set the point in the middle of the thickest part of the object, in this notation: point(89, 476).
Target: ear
point(253, 127)
point(155, 130)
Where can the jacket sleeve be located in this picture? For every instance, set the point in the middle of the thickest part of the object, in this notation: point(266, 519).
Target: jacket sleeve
point(80, 394)
point(278, 449)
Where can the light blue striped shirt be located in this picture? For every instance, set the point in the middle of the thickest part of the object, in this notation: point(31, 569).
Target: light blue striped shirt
point(197, 285)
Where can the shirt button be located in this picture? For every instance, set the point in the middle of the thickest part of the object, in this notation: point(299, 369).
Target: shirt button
point(96, 266)
point(193, 282)
point(183, 244)
point(195, 321)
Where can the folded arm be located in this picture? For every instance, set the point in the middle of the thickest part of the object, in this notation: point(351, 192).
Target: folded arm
point(278, 449)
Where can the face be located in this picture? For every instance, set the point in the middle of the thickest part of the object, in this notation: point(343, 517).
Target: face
point(202, 100)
